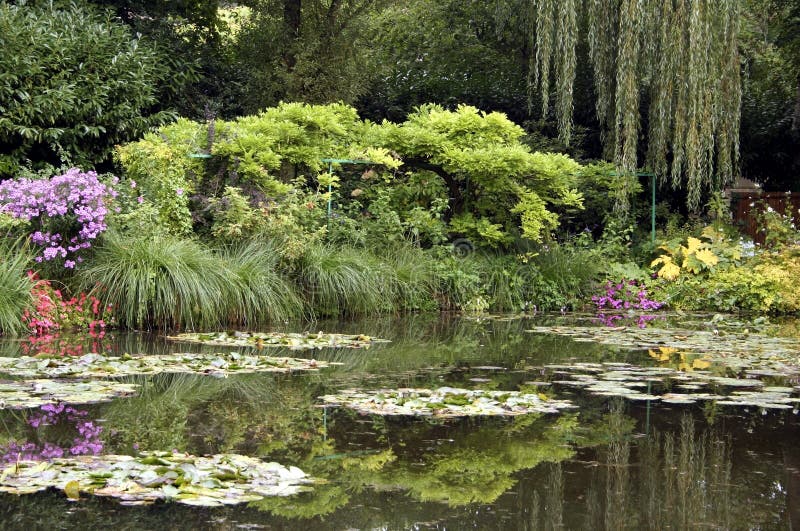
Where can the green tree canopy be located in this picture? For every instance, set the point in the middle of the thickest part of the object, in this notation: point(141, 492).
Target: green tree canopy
point(315, 51)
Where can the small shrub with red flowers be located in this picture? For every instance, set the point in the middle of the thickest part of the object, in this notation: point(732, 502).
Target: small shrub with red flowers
point(625, 302)
point(53, 314)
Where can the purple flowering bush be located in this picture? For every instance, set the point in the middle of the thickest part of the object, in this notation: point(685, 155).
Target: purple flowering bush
point(623, 301)
point(63, 421)
point(65, 213)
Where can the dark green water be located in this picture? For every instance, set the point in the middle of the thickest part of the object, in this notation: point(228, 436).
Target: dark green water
point(610, 464)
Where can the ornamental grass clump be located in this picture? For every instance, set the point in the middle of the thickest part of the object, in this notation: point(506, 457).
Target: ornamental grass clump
point(158, 282)
point(15, 290)
point(257, 292)
point(64, 213)
point(345, 280)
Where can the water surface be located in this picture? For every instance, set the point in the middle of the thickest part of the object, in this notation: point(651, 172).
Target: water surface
point(609, 464)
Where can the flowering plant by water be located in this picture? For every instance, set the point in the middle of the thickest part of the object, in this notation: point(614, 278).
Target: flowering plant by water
point(53, 314)
point(69, 427)
point(65, 213)
point(623, 302)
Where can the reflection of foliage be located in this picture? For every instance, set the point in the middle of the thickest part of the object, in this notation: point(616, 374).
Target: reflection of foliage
point(348, 473)
point(479, 465)
point(156, 419)
point(685, 482)
point(275, 420)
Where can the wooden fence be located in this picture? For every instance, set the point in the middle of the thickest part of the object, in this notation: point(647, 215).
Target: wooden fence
point(745, 208)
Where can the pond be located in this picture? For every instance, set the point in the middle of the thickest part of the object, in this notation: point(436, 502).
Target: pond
point(626, 454)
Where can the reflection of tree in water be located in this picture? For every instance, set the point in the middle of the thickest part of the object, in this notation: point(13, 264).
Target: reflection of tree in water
point(479, 464)
point(683, 482)
point(453, 463)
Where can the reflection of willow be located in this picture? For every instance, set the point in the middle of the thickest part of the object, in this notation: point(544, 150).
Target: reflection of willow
point(683, 483)
point(541, 494)
point(544, 511)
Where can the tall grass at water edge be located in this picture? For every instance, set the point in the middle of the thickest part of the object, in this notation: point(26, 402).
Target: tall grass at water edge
point(15, 288)
point(567, 275)
point(257, 292)
point(164, 282)
point(344, 281)
point(158, 282)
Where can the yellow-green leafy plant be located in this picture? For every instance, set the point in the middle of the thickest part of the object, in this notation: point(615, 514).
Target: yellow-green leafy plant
point(697, 255)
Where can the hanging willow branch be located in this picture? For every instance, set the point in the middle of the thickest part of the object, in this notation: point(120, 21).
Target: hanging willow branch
point(565, 75)
point(545, 28)
point(681, 53)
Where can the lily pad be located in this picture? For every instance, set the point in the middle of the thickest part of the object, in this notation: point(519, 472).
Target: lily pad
point(223, 479)
point(294, 341)
point(35, 393)
point(626, 381)
point(104, 366)
point(740, 351)
point(445, 402)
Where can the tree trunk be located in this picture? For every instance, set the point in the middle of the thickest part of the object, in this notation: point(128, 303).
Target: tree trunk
point(455, 195)
point(796, 116)
point(291, 19)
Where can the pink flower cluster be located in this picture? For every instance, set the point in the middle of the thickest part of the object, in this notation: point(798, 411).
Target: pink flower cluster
point(627, 296)
point(53, 313)
point(75, 199)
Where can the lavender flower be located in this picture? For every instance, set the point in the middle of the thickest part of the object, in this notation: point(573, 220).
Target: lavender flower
point(77, 196)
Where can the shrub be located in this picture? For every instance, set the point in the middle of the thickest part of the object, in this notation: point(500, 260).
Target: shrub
point(53, 312)
point(765, 284)
point(702, 254)
point(65, 213)
point(73, 83)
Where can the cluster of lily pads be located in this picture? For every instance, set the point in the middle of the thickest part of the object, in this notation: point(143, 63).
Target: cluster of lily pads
point(767, 355)
point(206, 481)
point(445, 402)
point(99, 365)
point(223, 479)
point(35, 393)
point(294, 341)
point(673, 386)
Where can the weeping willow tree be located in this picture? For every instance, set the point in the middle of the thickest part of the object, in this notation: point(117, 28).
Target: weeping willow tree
point(679, 56)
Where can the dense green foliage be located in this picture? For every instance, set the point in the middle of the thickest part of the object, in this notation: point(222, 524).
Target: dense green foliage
point(770, 139)
point(496, 191)
point(315, 51)
point(240, 219)
point(73, 83)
